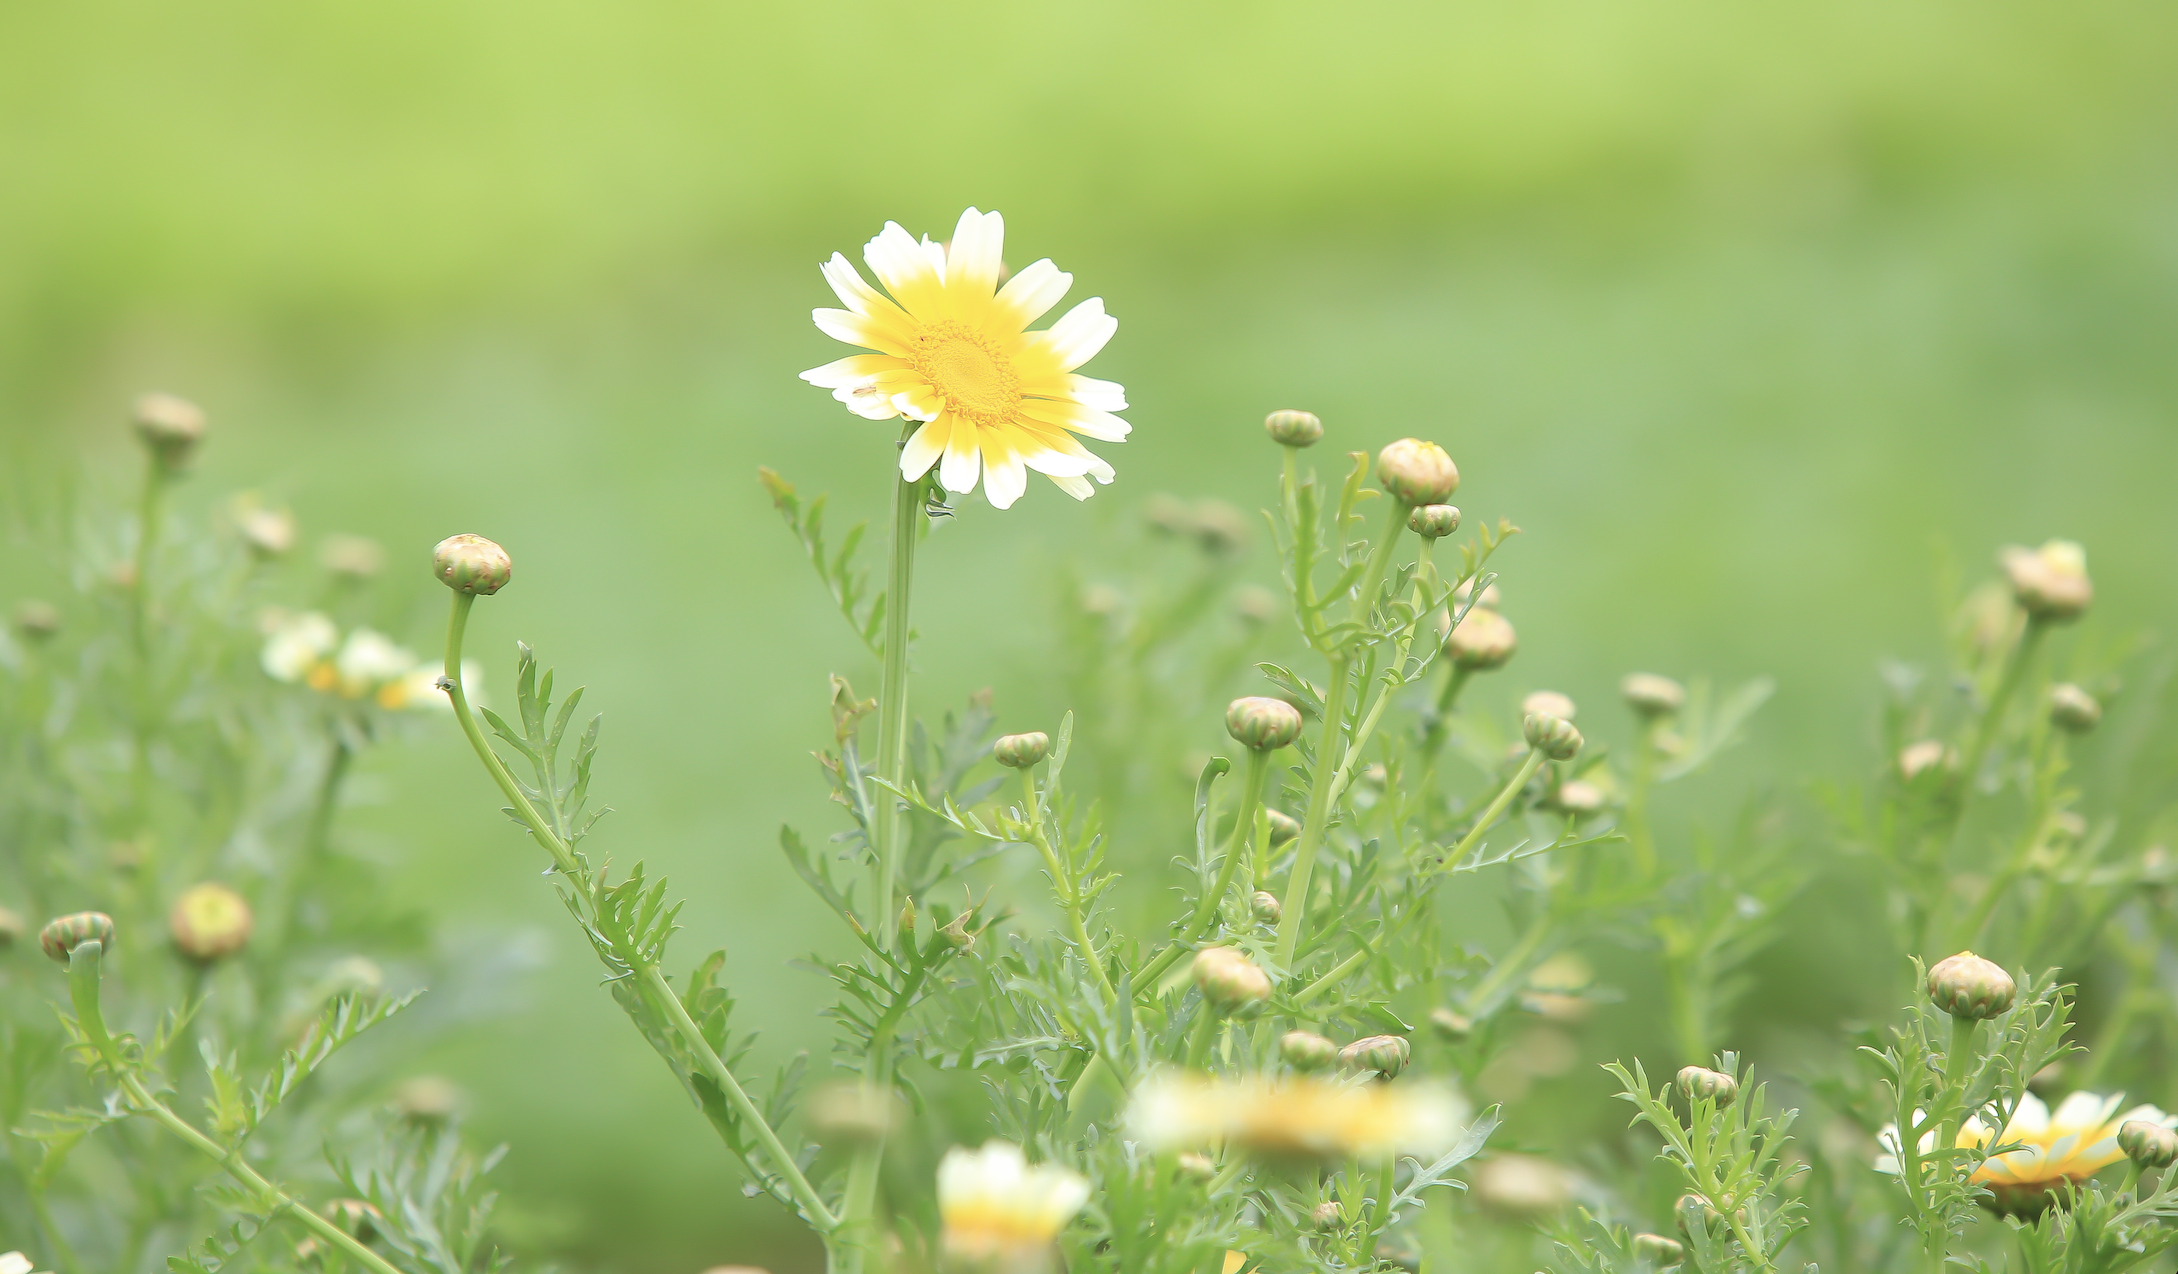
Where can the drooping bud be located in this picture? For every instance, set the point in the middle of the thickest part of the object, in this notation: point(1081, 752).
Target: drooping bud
point(36, 621)
point(1263, 723)
point(1196, 1167)
point(169, 427)
point(1266, 906)
point(1020, 751)
point(1450, 1025)
point(1658, 1250)
point(1965, 985)
point(1230, 982)
point(1293, 428)
point(471, 564)
point(1416, 472)
point(61, 937)
point(209, 921)
point(1308, 1051)
point(1916, 759)
point(1283, 826)
point(1554, 737)
point(2050, 583)
point(1484, 640)
point(2072, 709)
point(2148, 1144)
point(1697, 1082)
point(1434, 521)
point(1387, 1055)
point(1650, 695)
point(1549, 703)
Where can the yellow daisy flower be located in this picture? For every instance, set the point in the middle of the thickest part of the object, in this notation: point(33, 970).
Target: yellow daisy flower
point(1296, 1117)
point(995, 399)
point(2069, 1146)
point(1000, 1212)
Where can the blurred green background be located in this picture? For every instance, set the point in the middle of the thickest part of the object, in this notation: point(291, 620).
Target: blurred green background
point(1752, 315)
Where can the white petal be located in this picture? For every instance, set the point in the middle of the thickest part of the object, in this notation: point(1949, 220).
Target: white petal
point(1100, 425)
point(1031, 293)
point(2031, 1117)
point(972, 263)
point(905, 267)
point(1080, 333)
point(1004, 475)
point(924, 447)
point(848, 284)
point(1059, 464)
point(853, 328)
point(962, 461)
point(1103, 395)
point(1079, 488)
point(866, 400)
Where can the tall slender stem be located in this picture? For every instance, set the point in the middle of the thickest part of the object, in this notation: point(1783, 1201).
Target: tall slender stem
point(1064, 884)
point(892, 697)
point(149, 515)
point(1992, 717)
point(1528, 766)
point(1206, 907)
point(1317, 817)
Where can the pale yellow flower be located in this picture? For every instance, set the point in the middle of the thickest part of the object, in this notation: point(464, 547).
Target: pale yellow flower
point(2069, 1146)
point(1002, 1213)
point(995, 399)
point(1296, 1116)
point(298, 645)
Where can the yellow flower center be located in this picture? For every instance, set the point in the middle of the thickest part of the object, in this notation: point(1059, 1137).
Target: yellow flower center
point(969, 370)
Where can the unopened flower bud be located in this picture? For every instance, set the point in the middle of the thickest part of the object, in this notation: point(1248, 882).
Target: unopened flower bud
point(1965, 985)
point(1434, 521)
point(2148, 1144)
point(1387, 1055)
point(1658, 1250)
point(1266, 906)
point(1521, 1187)
point(426, 1099)
point(1652, 696)
point(2072, 709)
point(1263, 723)
point(61, 937)
point(471, 564)
point(1196, 1167)
point(1697, 1082)
point(2050, 583)
point(1293, 428)
point(352, 557)
point(1554, 737)
point(1483, 640)
point(267, 532)
point(1450, 1025)
point(1230, 982)
point(209, 921)
point(1577, 797)
point(1020, 751)
point(1916, 759)
point(1308, 1051)
point(1327, 1216)
point(169, 427)
point(36, 621)
point(1417, 472)
point(1548, 703)
point(1283, 826)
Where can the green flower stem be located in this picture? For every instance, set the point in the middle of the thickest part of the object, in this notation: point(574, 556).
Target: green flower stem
point(1510, 965)
point(1200, 1038)
point(1206, 908)
point(1528, 766)
point(1379, 560)
point(892, 713)
point(149, 514)
point(1423, 577)
point(1992, 717)
point(1064, 884)
point(1386, 1189)
point(1637, 800)
point(1433, 737)
point(1317, 817)
point(1958, 1067)
point(654, 981)
point(83, 972)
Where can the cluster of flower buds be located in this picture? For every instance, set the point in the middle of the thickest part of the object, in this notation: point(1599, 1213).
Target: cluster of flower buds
point(2072, 709)
point(1417, 473)
point(1652, 696)
point(1699, 1083)
point(1293, 428)
point(209, 921)
point(2049, 583)
point(1230, 982)
point(60, 938)
point(1262, 723)
point(1384, 1055)
point(307, 648)
point(1552, 736)
point(1967, 986)
point(1021, 751)
point(170, 429)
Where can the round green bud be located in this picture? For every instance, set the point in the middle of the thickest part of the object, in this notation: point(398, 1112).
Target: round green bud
point(35, 621)
point(1293, 428)
point(1416, 472)
point(1387, 1055)
point(1965, 985)
point(1283, 826)
point(1450, 1025)
point(1308, 1051)
point(60, 938)
point(2148, 1144)
point(1020, 751)
point(1263, 723)
point(209, 921)
point(2049, 583)
point(471, 564)
point(1658, 1250)
point(1230, 982)
point(1196, 1167)
point(1327, 1216)
point(1652, 696)
point(2072, 709)
point(1434, 521)
point(1554, 737)
point(1549, 703)
point(1266, 907)
point(1697, 1082)
point(1484, 640)
point(169, 427)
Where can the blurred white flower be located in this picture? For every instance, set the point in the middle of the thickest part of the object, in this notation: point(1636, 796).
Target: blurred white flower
point(1001, 1213)
point(297, 647)
point(14, 1263)
point(1297, 1116)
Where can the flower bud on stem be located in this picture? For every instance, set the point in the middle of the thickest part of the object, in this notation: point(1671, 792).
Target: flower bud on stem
point(1206, 908)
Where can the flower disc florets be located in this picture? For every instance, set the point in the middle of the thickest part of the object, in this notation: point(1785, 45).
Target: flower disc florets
point(1416, 472)
point(1020, 751)
point(61, 937)
point(1965, 985)
point(1263, 723)
point(209, 921)
point(1554, 737)
point(1293, 428)
point(471, 564)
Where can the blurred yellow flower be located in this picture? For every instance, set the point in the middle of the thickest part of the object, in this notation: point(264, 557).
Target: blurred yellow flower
point(2069, 1146)
point(1296, 1116)
point(307, 648)
point(995, 399)
point(1000, 1213)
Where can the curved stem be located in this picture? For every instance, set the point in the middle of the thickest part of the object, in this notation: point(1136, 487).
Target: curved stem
point(1206, 908)
point(1528, 766)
